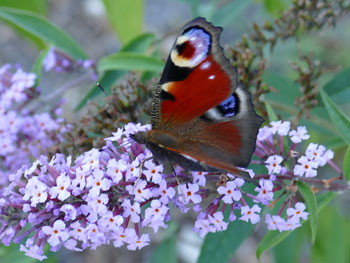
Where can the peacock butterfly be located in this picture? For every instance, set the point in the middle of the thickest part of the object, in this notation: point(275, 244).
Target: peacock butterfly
point(202, 118)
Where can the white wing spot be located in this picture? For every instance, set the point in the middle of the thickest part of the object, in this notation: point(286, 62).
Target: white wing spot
point(211, 77)
point(205, 65)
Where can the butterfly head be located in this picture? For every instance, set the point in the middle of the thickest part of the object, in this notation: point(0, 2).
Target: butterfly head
point(140, 137)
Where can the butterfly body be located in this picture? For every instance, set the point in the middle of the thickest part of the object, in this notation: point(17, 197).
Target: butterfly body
point(202, 118)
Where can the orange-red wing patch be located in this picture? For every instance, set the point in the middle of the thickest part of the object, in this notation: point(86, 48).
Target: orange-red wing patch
point(205, 87)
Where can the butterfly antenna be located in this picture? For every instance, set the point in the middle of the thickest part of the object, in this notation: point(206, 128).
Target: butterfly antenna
point(98, 84)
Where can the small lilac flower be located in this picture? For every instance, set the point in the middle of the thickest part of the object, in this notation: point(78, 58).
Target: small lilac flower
point(49, 61)
point(273, 164)
point(78, 232)
point(297, 212)
point(218, 221)
point(328, 155)
point(275, 223)
point(153, 172)
point(97, 182)
point(250, 214)
point(280, 127)
point(155, 215)
point(116, 135)
point(133, 170)
point(230, 192)
point(109, 221)
point(131, 210)
point(57, 233)
point(61, 189)
point(305, 166)
point(292, 224)
point(199, 178)
point(72, 244)
point(264, 133)
point(91, 159)
point(33, 252)
point(166, 193)
point(36, 191)
point(96, 205)
point(138, 242)
point(318, 154)
point(122, 236)
point(139, 191)
point(203, 227)
point(94, 234)
point(70, 212)
point(115, 169)
point(299, 135)
point(265, 191)
point(188, 193)
point(79, 180)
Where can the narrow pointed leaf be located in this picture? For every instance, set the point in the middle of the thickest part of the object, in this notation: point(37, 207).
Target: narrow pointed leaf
point(130, 61)
point(339, 119)
point(311, 206)
point(38, 65)
point(126, 17)
point(43, 29)
point(347, 164)
point(271, 113)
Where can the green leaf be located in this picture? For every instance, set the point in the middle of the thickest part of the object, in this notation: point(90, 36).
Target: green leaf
point(274, 237)
point(338, 118)
point(311, 205)
point(290, 249)
point(271, 239)
point(165, 252)
point(274, 6)
point(221, 246)
point(35, 6)
point(139, 44)
point(347, 164)
point(270, 112)
point(338, 83)
point(130, 61)
point(226, 14)
point(43, 29)
point(126, 17)
point(38, 65)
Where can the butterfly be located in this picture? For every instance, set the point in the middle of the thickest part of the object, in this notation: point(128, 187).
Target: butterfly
point(202, 118)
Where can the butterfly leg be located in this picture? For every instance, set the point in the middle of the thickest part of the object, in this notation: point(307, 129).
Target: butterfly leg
point(141, 166)
point(178, 183)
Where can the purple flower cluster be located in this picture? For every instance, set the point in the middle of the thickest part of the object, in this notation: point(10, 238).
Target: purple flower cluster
point(114, 194)
point(61, 62)
point(276, 147)
point(24, 135)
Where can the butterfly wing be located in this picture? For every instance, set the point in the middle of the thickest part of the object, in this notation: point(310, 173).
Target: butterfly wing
point(196, 77)
point(200, 111)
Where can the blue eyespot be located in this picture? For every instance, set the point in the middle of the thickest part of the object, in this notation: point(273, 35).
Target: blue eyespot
point(229, 107)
